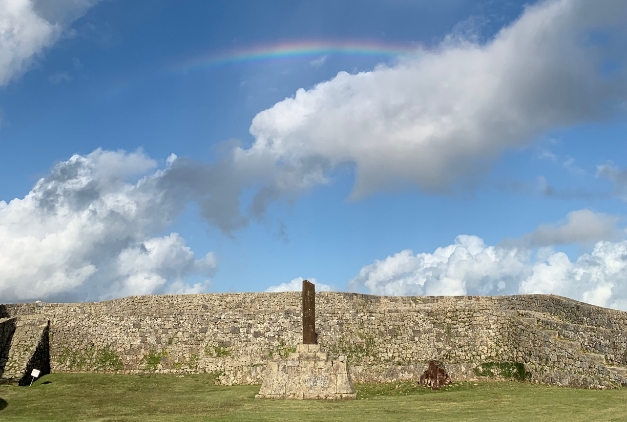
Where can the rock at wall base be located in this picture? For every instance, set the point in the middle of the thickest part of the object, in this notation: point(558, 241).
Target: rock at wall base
point(307, 374)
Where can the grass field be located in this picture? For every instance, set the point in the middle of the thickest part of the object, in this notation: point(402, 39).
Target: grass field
point(101, 397)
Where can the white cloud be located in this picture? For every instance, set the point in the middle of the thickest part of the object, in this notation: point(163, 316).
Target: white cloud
point(441, 115)
point(87, 231)
point(466, 267)
point(296, 285)
point(147, 267)
point(597, 277)
point(469, 267)
point(23, 34)
point(581, 226)
point(181, 288)
point(28, 27)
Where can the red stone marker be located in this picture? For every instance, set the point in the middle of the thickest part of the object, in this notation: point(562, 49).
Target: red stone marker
point(309, 313)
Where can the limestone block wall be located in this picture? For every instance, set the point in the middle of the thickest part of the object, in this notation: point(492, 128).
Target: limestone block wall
point(596, 329)
point(28, 349)
point(383, 338)
point(7, 328)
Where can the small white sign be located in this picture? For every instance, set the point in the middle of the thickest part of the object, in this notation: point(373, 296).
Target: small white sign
point(35, 373)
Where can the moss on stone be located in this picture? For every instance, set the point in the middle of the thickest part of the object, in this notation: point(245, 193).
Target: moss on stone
point(508, 370)
point(106, 358)
point(90, 359)
point(217, 351)
point(357, 351)
point(282, 350)
point(153, 359)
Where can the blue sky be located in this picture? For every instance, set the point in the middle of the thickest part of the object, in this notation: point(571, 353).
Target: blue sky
point(385, 147)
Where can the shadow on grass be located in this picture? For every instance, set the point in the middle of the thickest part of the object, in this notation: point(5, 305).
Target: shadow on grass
point(3, 404)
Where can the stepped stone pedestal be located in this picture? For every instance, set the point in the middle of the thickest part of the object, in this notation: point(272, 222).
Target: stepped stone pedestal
point(307, 374)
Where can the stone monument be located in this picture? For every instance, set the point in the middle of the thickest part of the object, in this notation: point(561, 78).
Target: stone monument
point(307, 373)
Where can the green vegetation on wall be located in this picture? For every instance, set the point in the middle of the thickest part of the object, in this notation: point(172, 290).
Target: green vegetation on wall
point(508, 370)
point(217, 351)
point(282, 350)
point(153, 359)
point(90, 359)
point(191, 363)
point(356, 351)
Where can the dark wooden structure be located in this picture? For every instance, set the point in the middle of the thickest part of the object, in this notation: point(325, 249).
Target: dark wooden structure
point(309, 313)
point(435, 376)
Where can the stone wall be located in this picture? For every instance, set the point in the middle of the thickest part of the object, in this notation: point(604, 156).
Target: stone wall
point(560, 341)
point(7, 328)
point(28, 349)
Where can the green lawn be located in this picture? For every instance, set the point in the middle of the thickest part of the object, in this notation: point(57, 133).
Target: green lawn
point(102, 397)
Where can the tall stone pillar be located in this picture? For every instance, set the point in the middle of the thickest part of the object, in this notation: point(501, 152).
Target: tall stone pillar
point(309, 313)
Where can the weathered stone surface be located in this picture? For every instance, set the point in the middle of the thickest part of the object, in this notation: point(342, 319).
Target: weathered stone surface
point(28, 349)
point(385, 339)
point(306, 374)
point(7, 328)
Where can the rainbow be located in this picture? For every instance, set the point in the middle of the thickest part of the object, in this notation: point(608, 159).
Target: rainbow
point(295, 50)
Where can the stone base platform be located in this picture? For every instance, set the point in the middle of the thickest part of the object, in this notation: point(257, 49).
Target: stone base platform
point(307, 374)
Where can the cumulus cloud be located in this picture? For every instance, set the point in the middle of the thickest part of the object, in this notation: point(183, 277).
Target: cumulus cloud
point(582, 226)
point(440, 115)
point(296, 285)
point(470, 267)
point(92, 229)
point(28, 27)
point(597, 277)
point(466, 267)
